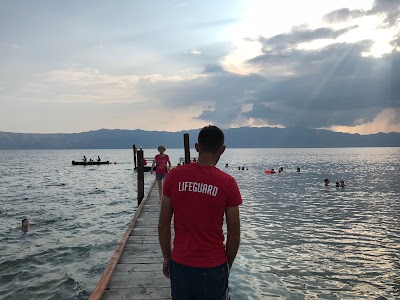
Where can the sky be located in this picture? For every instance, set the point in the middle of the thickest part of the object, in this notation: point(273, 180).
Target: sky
point(166, 65)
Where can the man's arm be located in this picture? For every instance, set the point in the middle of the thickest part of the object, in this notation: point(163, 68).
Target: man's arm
point(164, 231)
point(233, 233)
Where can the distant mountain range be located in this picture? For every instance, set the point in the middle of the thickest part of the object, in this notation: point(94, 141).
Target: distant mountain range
point(244, 137)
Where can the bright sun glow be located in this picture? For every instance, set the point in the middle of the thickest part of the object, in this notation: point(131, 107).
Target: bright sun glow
point(369, 29)
point(261, 21)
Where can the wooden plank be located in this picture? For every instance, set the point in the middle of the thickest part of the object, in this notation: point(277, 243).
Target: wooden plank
point(143, 239)
point(139, 247)
point(105, 278)
point(131, 268)
point(141, 259)
point(148, 279)
point(138, 293)
point(138, 272)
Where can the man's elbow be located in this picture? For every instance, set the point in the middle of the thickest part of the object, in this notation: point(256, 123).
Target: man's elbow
point(234, 235)
point(161, 228)
point(164, 229)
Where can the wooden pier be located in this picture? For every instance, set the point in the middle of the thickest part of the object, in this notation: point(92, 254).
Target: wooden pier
point(135, 269)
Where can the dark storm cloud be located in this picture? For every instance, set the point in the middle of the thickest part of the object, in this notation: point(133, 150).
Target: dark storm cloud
point(334, 85)
point(221, 88)
point(394, 96)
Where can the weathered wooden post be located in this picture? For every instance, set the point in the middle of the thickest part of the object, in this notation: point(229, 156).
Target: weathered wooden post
point(187, 147)
point(140, 175)
point(134, 155)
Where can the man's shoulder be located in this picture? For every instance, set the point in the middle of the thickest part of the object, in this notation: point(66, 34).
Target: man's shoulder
point(180, 169)
point(224, 175)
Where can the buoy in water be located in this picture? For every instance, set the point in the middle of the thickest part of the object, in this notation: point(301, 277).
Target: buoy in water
point(269, 171)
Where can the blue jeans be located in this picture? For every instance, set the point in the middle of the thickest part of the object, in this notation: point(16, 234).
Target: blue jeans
point(198, 283)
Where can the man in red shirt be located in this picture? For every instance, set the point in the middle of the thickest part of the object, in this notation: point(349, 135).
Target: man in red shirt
point(199, 196)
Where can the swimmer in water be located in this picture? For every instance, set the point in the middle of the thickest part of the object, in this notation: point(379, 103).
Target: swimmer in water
point(326, 182)
point(342, 183)
point(337, 184)
point(25, 224)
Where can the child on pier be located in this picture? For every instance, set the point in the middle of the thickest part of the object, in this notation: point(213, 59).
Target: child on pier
point(161, 161)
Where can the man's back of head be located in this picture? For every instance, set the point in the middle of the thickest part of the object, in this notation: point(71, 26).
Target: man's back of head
point(210, 139)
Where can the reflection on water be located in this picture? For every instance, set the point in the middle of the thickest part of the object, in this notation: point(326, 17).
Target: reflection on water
point(300, 240)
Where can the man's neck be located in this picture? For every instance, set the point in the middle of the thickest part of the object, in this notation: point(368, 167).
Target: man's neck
point(207, 159)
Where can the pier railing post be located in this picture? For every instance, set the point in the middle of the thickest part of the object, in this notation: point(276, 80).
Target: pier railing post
point(187, 147)
point(140, 176)
point(134, 155)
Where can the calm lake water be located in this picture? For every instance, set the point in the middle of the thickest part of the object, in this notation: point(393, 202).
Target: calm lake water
point(300, 240)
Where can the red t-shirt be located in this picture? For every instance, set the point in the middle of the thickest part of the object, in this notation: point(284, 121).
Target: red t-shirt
point(161, 163)
point(200, 196)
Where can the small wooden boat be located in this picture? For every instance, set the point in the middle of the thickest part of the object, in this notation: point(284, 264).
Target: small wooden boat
point(88, 163)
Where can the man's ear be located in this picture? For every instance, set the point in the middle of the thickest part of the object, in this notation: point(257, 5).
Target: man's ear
point(197, 147)
point(222, 149)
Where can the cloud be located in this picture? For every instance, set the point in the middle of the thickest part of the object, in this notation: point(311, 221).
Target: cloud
point(302, 34)
point(315, 77)
point(93, 86)
point(331, 86)
point(386, 121)
point(195, 52)
point(210, 68)
point(390, 9)
point(343, 15)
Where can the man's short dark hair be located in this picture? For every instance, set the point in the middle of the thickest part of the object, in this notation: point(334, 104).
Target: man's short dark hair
point(210, 139)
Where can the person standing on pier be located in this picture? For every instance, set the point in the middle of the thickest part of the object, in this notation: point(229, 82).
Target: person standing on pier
point(163, 165)
point(199, 196)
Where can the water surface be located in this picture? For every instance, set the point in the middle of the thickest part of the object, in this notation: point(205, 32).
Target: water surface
point(300, 240)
